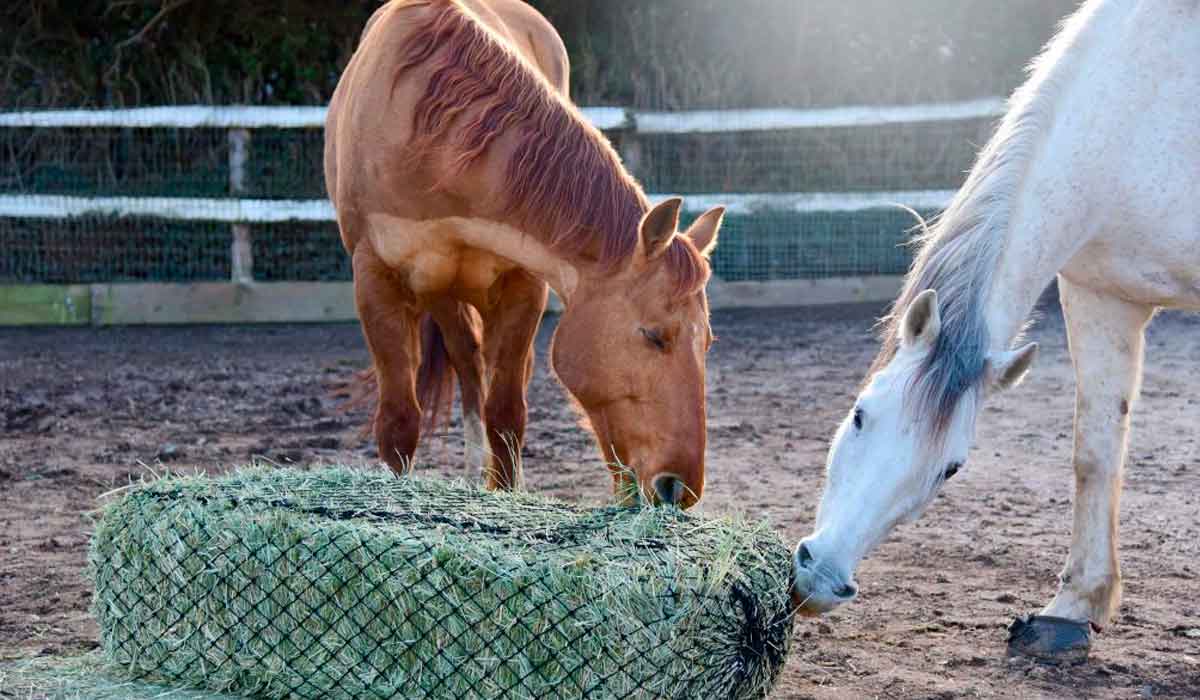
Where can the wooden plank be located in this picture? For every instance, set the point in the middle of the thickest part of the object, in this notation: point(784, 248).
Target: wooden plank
point(308, 302)
point(782, 293)
point(222, 302)
point(45, 305)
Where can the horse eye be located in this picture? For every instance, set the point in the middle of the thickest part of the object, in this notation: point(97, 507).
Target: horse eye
point(858, 418)
point(952, 469)
point(655, 338)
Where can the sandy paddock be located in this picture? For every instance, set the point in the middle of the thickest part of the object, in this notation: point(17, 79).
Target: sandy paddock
point(82, 411)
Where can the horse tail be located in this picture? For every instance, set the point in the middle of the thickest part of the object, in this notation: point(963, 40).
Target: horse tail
point(360, 391)
point(435, 378)
point(435, 382)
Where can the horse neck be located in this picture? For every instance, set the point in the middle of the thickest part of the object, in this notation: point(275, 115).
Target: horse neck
point(567, 275)
point(1043, 234)
point(529, 234)
point(500, 237)
point(1047, 219)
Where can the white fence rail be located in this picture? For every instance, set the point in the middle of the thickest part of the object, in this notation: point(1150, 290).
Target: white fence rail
point(604, 118)
point(279, 210)
point(724, 121)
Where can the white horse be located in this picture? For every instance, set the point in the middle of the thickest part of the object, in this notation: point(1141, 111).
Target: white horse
point(1093, 176)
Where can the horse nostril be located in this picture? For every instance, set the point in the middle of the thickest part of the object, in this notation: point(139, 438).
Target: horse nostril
point(847, 591)
point(669, 489)
point(803, 556)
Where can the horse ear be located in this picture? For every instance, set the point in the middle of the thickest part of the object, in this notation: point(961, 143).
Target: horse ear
point(1005, 369)
point(922, 320)
point(703, 230)
point(658, 227)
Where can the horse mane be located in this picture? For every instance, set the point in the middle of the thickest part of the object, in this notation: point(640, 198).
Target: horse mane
point(563, 182)
point(959, 252)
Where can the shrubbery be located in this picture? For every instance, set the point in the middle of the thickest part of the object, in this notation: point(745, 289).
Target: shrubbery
point(648, 53)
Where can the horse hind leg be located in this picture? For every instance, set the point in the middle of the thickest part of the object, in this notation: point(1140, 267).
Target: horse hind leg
point(510, 328)
point(461, 336)
point(389, 318)
point(1106, 339)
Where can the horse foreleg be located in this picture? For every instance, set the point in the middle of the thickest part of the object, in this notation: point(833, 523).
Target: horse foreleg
point(462, 332)
point(1106, 339)
point(509, 333)
point(389, 320)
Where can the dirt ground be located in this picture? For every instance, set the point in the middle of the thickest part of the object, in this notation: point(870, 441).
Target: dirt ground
point(83, 411)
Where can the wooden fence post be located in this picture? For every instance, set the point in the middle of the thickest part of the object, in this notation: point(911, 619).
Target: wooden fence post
point(630, 148)
point(241, 253)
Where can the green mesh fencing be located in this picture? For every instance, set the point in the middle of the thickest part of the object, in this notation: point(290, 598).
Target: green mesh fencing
point(787, 246)
point(791, 238)
point(112, 249)
point(158, 162)
point(757, 247)
point(926, 156)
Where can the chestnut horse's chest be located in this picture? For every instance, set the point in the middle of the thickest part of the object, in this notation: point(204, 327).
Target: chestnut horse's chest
point(453, 256)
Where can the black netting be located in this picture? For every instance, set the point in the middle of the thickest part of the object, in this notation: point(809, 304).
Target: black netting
point(340, 584)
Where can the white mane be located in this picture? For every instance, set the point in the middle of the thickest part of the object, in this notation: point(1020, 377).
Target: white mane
point(959, 252)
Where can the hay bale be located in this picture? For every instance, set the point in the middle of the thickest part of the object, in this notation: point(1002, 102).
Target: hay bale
point(84, 677)
point(345, 584)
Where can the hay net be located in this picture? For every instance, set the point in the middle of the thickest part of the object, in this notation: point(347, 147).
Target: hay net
point(354, 584)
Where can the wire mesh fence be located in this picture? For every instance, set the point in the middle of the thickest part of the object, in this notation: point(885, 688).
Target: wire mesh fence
point(342, 584)
point(816, 162)
point(149, 162)
point(112, 249)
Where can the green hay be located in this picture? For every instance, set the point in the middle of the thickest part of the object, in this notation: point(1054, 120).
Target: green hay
point(347, 584)
point(84, 678)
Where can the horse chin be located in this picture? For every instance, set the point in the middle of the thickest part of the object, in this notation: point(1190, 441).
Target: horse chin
point(813, 605)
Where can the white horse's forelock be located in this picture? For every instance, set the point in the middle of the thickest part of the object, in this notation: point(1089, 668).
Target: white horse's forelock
point(958, 252)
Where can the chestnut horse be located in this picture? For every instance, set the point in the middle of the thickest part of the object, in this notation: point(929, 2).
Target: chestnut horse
point(466, 183)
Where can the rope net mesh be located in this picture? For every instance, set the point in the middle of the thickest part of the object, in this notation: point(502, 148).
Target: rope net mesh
point(789, 237)
point(349, 584)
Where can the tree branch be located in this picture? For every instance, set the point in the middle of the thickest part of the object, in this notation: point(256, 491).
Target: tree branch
point(154, 22)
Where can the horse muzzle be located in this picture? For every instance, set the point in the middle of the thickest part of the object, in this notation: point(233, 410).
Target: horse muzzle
point(670, 489)
point(817, 589)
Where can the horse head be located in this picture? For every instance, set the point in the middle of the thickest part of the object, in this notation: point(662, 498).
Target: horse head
point(908, 432)
point(631, 346)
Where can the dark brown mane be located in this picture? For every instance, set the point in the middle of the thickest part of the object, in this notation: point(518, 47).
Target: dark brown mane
point(564, 182)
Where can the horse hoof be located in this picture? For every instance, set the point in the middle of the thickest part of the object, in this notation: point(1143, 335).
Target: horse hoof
point(1052, 640)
